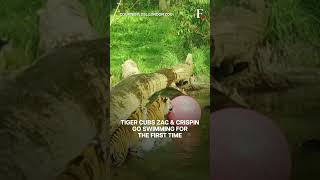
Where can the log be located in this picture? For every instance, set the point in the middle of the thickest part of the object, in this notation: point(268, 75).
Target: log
point(129, 67)
point(179, 72)
point(51, 110)
point(134, 91)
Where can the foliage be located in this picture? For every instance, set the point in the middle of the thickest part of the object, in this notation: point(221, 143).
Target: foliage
point(98, 14)
point(290, 23)
point(19, 24)
point(137, 5)
point(289, 19)
point(194, 31)
point(154, 42)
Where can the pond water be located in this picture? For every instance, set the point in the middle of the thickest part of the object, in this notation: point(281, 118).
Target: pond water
point(181, 159)
point(296, 112)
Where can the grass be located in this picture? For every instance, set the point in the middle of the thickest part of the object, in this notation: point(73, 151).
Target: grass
point(98, 14)
point(153, 44)
point(293, 26)
point(289, 19)
point(19, 24)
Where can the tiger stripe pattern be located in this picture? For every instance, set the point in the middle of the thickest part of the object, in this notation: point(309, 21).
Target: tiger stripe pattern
point(159, 108)
point(89, 165)
point(124, 139)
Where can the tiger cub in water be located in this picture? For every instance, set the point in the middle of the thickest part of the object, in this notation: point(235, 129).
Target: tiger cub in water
point(89, 164)
point(124, 139)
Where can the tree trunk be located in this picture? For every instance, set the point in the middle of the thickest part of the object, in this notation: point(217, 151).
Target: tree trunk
point(50, 111)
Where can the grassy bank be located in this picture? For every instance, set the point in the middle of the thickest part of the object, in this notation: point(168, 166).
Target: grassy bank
point(289, 21)
point(292, 29)
point(153, 44)
point(158, 42)
point(19, 24)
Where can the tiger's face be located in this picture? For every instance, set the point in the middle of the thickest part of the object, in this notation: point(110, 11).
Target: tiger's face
point(167, 105)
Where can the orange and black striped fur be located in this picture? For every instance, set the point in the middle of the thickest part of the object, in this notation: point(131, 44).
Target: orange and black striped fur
point(124, 139)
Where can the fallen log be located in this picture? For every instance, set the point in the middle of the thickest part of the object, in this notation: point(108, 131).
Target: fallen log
point(135, 90)
point(51, 110)
point(180, 72)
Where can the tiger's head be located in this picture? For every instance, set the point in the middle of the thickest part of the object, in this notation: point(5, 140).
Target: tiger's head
point(165, 104)
point(159, 108)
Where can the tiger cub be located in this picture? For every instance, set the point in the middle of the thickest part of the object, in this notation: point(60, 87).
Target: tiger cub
point(124, 139)
point(90, 164)
point(156, 111)
point(159, 108)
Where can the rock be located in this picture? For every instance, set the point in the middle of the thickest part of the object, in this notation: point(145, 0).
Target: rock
point(62, 22)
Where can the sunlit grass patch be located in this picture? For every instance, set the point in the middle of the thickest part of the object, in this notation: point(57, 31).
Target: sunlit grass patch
point(152, 43)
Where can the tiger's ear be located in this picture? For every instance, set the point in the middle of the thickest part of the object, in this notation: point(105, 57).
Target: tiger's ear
point(166, 99)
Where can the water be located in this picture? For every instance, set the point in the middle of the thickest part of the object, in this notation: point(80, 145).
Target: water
point(181, 159)
point(296, 112)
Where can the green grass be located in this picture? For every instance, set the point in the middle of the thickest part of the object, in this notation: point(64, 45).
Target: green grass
point(153, 44)
point(293, 26)
point(289, 19)
point(19, 23)
point(98, 14)
point(290, 22)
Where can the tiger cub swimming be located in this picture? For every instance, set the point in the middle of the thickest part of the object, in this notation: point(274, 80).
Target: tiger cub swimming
point(123, 140)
